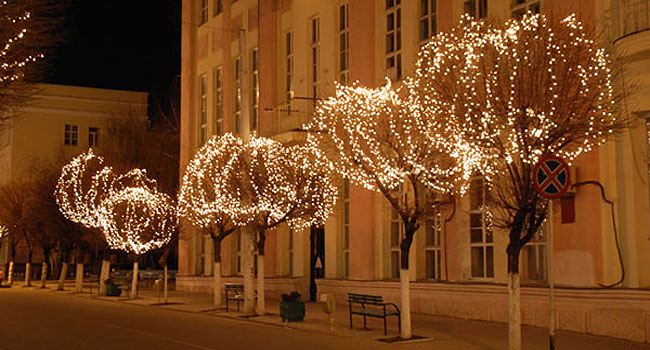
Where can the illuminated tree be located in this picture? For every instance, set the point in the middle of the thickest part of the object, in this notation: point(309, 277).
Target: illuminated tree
point(78, 195)
point(135, 217)
point(199, 197)
point(383, 140)
point(275, 185)
point(516, 91)
point(30, 28)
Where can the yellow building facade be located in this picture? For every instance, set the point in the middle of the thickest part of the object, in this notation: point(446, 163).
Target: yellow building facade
point(294, 51)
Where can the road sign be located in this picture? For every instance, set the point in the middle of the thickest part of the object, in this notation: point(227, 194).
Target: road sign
point(551, 177)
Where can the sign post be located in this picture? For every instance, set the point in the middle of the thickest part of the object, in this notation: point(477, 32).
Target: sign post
point(551, 179)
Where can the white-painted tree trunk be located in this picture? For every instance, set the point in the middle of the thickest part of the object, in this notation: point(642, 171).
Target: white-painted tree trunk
point(134, 282)
point(165, 284)
point(79, 278)
point(514, 312)
point(10, 280)
point(405, 303)
point(247, 235)
point(261, 305)
point(103, 276)
point(43, 274)
point(64, 273)
point(216, 287)
point(28, 275)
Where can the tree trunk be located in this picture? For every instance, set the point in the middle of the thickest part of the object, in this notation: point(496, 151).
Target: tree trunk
point(28, 269)
point(10, 278)
point(64, 273)
point(216, 273)
point(43, 274)
point(28, 272)
point(514, 312)
point(247, 236)
point(261, 298)
point(514, 298)
point(104, 273)
point(165, 284)
point(79, 277)
point(405, 282)
point(134, 282)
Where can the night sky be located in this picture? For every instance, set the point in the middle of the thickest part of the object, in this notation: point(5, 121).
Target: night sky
point(119, 44)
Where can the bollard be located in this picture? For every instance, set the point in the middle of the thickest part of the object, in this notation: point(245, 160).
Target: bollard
point(329, 306)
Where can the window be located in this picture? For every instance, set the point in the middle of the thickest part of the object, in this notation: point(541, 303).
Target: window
point(480, 232)
point(218, 7)
point(237, 94)
point(93, 136)
point(218, 100)
point(476, 8)
point(315, 52)
point(427, 17)
point(203, 14)
point(291, 236)
point(346, 228)
point(395, 237)
point(534, 257)
point(203, 109)
point(205, 245)
point(394, 38)
point(289, 66)
point(518, 8)
point(432, 247)
point(255, 96)
point(71, 137)
point(236, 256)
point(344, 44)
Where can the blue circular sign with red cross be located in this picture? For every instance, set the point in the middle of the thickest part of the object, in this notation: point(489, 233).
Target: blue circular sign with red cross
point(551, 177)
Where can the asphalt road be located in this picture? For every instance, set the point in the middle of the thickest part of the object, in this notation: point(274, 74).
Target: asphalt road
point(44, 319)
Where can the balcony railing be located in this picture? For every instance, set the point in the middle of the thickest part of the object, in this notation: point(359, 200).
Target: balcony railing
point(291, 116)
point(635, 16)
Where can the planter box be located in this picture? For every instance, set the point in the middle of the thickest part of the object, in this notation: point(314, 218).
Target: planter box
point(292, 311)
point(113, 290)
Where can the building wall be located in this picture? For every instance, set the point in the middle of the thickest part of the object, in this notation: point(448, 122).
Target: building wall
point(586, 255)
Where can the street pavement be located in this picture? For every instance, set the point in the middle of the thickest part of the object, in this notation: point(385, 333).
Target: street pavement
point(46, 319)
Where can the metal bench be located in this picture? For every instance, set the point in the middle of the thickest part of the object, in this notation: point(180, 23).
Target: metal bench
point(234, 292)
point(372, 306)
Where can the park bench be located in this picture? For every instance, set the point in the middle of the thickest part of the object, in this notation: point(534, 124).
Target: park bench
point(372, 306)
point(90, 285)
point(234, 292)
point(123, 281)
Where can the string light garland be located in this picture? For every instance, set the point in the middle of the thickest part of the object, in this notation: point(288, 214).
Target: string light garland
point(12, 63)
point(78, 193)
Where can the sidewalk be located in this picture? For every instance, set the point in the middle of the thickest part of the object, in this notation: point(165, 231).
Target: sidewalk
point(441, 333)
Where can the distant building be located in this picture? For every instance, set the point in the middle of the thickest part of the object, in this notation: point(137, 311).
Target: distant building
point(61, 121)
point(297, 49)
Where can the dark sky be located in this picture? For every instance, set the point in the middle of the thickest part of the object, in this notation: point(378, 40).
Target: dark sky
point(119, 44)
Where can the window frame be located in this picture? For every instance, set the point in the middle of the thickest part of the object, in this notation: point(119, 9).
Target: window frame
point(346, 228)
point(218, 8)
point(218, 100)
point(289, 66)
point(203, 109)
point(203, 11)
point(315, 56)
point(431, 18)
point(486, 243)
point(393, 30)
point(517, 10)
point(255, 89)
point(433, 222)
point(71, 135)
point(93, 136)
point(237, 85)
point(480, 8)
point(344, 43)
